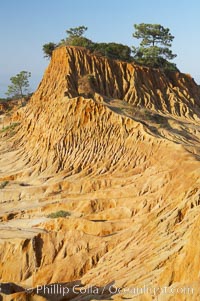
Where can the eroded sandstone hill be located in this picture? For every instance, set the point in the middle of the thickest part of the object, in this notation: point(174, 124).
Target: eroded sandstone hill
point(117, 147)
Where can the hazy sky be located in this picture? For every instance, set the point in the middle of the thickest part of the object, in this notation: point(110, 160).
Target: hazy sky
point(25, 25)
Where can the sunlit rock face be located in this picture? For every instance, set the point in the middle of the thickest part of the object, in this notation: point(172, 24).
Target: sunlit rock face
point(115, 146)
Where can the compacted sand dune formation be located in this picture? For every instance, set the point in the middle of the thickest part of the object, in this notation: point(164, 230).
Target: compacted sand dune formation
point(116, 146)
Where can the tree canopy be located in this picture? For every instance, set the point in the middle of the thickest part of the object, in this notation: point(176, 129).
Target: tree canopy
point(154, 49)
point(75, 37)
point(20, 84)
point(76, 31)
point(48, 49)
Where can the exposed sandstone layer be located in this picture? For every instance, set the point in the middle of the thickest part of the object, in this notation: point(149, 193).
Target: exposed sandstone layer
point(117, 146)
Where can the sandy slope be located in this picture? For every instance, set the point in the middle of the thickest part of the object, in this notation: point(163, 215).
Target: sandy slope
point(117, 146)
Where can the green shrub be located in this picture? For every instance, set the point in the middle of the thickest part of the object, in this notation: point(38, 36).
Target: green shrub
point(78, 41)
point(10, 127)
point(157, 63)
point(60, 213)
point(3, 184)
point(87, 85)
point(91, 78)
point(112, 50)
point(48, 49)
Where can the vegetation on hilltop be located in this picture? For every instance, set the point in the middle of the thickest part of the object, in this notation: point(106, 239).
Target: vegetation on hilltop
point(154, 50)
point(75, 37)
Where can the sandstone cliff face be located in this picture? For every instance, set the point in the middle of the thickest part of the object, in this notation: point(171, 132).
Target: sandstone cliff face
point(117, 146)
